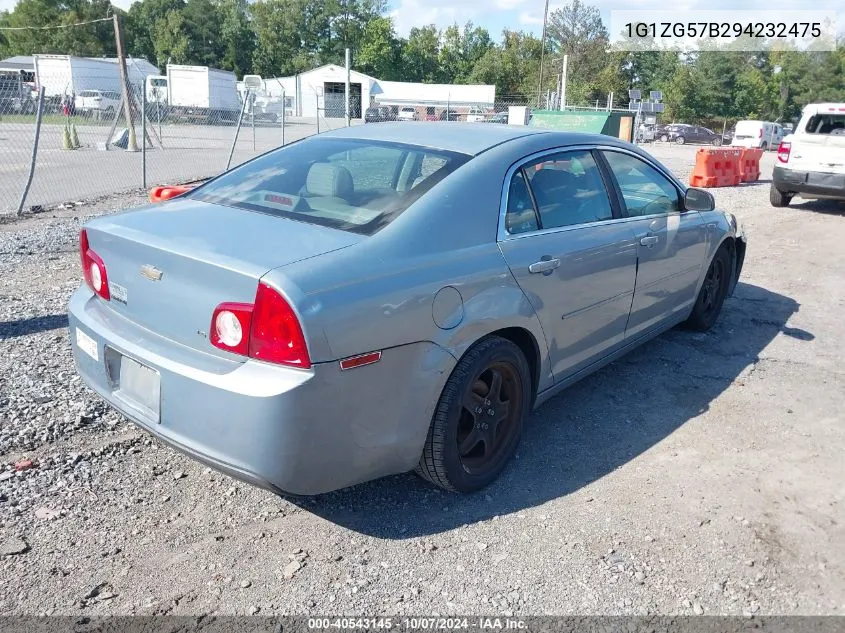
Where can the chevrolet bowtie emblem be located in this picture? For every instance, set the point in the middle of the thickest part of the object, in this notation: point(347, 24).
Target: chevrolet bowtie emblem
point(151, 272)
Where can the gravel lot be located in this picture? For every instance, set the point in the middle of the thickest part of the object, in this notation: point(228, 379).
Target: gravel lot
point(700, 474)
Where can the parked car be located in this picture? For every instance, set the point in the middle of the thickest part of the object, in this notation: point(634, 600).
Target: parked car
point(811, 160)
point(499, 117)
point(375, 114)
point(661, 132)
point(759, 134)
point(408, 113)
point(476, 115)
point(97, 101)
point(683, 133)
point(449, 115)
point(312, 340)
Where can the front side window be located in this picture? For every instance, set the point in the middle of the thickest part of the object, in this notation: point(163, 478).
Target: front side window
point(349, 184)
point(645, 190)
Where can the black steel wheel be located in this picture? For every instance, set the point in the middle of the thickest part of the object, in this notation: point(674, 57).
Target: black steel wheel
point(479, 417)
point(713, 292)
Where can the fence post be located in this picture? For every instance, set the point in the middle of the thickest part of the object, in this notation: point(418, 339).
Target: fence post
point(283, 116)
point(252, 109)
point(144, 138)
point(237, 131)
point(34, 150)
point(318, 113)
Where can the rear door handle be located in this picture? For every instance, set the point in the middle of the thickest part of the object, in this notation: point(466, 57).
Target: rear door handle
point(544, 266)
point(649, 240)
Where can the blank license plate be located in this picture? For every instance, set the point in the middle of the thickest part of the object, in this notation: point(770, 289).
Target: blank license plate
point(140, 385)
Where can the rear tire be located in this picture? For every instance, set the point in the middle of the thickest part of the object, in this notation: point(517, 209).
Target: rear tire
point(778, 198)
point(663, 138)
point(717, 142)
point(680, 140)
point(713, 291)
point(478, 421)
point(765, 146)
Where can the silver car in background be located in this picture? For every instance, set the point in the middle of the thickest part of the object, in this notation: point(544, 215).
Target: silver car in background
point(391, 297)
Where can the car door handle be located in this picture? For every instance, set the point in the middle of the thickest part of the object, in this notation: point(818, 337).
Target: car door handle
point(649, 240)
point(544, 266)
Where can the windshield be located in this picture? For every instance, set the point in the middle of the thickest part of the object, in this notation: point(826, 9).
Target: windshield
point(348, 184)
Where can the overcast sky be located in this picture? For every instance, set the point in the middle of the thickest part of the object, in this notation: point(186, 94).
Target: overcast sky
point(496, 15)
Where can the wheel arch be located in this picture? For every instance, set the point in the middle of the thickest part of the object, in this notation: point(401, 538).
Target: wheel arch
point(526, 342)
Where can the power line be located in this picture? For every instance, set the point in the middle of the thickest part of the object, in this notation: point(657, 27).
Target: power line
point(52, 26)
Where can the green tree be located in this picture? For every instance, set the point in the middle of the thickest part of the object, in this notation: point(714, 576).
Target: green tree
point(237, 37)
point(90, 40)
point(420, 60)
point(142, 25)
point(378, 53)
point(284, 45)
point(577, 31)
point(513, 66)
point(170, 39)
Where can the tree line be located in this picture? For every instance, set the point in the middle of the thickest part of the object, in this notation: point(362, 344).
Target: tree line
point(284, 37)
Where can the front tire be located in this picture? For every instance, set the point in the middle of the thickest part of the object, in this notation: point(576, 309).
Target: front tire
point(713, 291)
point(778, 198)
point(478, 421)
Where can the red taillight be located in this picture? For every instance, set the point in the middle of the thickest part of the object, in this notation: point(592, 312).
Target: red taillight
point(783, 152)
point(93, 268)
point(267, 330)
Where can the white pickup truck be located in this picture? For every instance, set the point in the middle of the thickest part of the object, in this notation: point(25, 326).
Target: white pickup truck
point(811, 160)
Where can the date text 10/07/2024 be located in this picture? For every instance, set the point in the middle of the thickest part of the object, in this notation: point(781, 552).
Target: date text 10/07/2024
point(723, 29)
point(418, 623)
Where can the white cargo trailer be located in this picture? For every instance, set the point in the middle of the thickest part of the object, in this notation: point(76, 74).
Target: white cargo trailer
point(200, 92)
point(65, 75)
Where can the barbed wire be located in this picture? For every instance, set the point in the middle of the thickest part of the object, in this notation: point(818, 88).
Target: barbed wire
point(52, 26)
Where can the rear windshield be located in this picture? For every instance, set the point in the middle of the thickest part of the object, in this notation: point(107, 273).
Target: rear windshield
point(348, 184)
point(826, 124)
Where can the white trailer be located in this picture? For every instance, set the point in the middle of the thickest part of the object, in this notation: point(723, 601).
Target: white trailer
point(65, 75)
point(202, 92)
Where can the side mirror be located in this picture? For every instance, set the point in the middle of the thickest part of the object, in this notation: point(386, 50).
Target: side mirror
point(699, 200)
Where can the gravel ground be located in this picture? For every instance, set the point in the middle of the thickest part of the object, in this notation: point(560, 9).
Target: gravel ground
point(702, 473)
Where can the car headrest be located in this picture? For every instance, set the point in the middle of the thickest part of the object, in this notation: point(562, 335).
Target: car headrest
point(547, 179)
point(326, 179)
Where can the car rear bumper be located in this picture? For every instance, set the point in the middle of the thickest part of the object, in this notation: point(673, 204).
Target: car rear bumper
point(292, 431)
point(809, 183)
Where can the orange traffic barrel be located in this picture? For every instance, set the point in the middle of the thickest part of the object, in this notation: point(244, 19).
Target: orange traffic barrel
point(716, 168)
point(749, 164)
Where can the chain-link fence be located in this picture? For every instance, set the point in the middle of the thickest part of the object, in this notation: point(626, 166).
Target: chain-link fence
point(85, 147)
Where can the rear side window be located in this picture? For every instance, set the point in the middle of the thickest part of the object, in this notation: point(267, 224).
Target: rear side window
point(348, 184)
point(567, 189)
point(826, 124)
point(645, 190)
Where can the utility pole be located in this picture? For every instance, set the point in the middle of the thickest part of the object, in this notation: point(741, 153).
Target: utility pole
point(132, 145)
point(542, 50)
point(348, 113)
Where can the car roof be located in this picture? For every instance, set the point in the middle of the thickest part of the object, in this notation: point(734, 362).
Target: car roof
point(465, 138)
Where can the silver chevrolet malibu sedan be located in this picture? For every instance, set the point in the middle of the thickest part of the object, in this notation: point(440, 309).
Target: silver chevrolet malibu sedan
point(391, 297)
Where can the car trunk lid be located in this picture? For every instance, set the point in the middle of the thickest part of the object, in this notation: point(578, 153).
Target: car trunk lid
point(169, 266)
